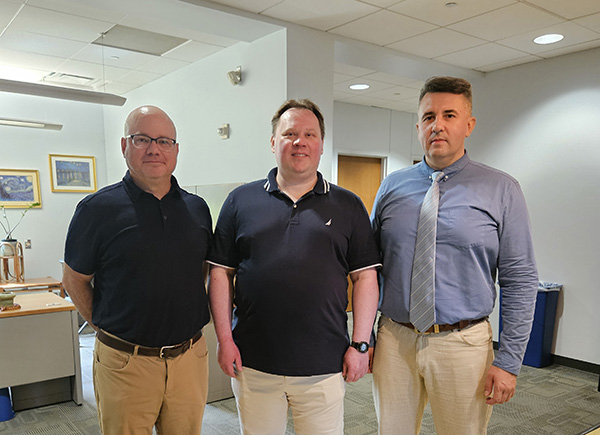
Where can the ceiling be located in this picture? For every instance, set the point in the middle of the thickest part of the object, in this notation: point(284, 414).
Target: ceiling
point(73, 42)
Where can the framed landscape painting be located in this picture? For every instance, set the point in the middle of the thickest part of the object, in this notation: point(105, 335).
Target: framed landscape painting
point(19, 188)
point(72, 173)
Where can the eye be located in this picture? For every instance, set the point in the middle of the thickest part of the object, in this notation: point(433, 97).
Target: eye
point(142, 139)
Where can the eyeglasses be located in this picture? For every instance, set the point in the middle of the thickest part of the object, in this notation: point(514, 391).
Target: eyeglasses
point(141, 141)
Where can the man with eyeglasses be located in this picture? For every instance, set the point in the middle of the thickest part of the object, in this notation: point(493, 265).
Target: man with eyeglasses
point(134, 259)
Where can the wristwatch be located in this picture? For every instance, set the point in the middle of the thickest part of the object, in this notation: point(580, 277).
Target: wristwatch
point(362, 346)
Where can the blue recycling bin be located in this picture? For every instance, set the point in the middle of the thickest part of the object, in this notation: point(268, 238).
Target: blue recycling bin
point(6, 411)
point(539, 348)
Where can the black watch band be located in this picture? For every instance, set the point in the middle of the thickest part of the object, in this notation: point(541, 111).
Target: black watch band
point(361, 346)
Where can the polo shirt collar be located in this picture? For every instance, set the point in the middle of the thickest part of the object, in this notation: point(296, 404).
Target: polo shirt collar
point(451, 170)
point(134, 191)
point(321, 187)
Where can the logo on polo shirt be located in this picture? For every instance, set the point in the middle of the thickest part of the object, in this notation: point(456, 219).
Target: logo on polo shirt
point(328, 222)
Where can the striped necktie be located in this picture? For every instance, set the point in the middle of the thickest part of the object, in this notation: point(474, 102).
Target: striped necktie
point(422, 285)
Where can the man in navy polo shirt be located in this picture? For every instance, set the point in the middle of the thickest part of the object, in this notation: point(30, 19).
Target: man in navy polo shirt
point(143, 241)
point(283, 249)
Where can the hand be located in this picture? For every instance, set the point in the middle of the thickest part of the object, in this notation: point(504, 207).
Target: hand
point(356, 365)
point(229, 358)
point(371, 355)
point(501, 383)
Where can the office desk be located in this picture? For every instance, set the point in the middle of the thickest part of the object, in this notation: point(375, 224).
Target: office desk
point(33, 284)
point(39, 351)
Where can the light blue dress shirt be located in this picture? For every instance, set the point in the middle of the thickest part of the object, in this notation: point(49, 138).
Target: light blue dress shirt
point(483, 234)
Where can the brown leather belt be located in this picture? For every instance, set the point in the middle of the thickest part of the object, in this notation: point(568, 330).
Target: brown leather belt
point(436, 329)
point(160, 352)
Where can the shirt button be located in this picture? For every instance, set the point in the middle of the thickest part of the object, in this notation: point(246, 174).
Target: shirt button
point(295, 205)
point(164, 218)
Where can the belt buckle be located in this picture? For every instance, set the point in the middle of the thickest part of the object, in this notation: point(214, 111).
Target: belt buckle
point(436, 330)
point(161, 353)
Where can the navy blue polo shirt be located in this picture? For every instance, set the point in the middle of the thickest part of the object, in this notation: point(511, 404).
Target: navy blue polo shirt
point(292, 261)
point(146, 255)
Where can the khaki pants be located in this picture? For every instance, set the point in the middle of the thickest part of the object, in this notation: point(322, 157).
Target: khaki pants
point(448, 369)
point(134, 393)
point(317, 403)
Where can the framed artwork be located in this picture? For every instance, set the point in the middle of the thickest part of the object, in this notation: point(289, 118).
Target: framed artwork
point(19, 188)
point(72, 173)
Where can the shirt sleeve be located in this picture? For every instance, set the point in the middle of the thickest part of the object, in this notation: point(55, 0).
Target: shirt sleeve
point(223, 251)
point(363, 251)
point(82, 242)
point(518, 279)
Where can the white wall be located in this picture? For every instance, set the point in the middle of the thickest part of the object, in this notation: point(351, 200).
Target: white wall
point(26, 148)
point(199, 98)
point(537, 122)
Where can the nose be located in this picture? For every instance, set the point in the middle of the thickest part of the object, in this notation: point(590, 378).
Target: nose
point(153, 147)
point(437, 126)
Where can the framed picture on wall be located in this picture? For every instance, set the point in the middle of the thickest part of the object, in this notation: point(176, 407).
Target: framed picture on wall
point(19, 188)
point(72, 173)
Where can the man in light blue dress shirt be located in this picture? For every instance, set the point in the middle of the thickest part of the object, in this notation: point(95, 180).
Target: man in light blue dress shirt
point(483, 235)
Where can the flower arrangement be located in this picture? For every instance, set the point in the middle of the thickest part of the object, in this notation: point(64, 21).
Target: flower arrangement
point(8, 229)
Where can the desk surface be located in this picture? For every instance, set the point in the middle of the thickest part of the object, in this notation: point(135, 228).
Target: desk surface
point(30, 283)
point(38, 303)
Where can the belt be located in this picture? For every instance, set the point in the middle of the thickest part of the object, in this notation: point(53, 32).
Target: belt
point(436, 329)
point(160, 352)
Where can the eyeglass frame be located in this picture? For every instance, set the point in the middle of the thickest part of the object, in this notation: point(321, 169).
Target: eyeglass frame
point(152, 139)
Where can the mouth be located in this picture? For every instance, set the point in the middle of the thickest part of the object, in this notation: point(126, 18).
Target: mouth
point(299, 155)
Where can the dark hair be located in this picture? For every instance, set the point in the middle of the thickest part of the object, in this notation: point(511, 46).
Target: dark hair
point(451, 85)
point(298, 104)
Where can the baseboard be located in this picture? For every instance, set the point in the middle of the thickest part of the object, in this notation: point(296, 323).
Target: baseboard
point(570, 362)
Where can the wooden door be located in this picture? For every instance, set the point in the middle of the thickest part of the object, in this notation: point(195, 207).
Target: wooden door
point(361, 175)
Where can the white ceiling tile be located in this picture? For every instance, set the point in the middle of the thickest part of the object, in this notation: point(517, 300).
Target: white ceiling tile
point(111, 56)
point(569, 9)
point(29, 60)
point(383, 28)
point(118, 88)
point(42, 44)
point(139, 77)
point(84, 8)
point(319, 14)
point(573, 34)
point(397, 93)
point(508, 21)
point(367, 100)
point(59, 25)
point(381, 3)
point(591, 22)
point(351, 70)
point(7, 12)
point(338, 77)
point(163, 66)
point(389, 78)
point(435, 11)
point(255, 6)
point(436, 43)
point(88, 69)
point(508, 63)
point(192, 51)
point(339, 95)
point(482, 55)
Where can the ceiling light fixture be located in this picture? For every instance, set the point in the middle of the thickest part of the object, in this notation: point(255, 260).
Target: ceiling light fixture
point(359, 86)
point(30, 124)
point(60, 92)
point(451, 4)
point(550, 38)
point(235, 76)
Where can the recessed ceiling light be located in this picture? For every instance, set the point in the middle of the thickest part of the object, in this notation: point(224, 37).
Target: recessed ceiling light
point(359, 86)
point(550, 38)
point(451, 4)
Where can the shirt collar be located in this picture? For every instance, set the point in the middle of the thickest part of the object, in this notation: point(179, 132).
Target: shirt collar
point(134, 191)
point(450, 171)
point(321, 187)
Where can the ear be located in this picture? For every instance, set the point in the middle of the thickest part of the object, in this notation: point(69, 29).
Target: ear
point(272, 144)
point(123, 145)
point(470, 126)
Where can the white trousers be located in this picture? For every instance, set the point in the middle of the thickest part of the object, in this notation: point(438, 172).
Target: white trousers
point(317, 403)
point(447, 369)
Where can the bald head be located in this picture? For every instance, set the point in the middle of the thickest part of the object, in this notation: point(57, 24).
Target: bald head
point(142, 112)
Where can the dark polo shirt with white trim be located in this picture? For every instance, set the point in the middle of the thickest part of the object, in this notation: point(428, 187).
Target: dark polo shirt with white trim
point(292, 261)
point(146, 255)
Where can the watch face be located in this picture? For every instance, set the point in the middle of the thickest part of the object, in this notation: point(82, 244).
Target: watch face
point(362, 347)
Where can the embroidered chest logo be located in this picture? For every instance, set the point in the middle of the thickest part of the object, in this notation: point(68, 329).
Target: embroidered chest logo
point(328, 223)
